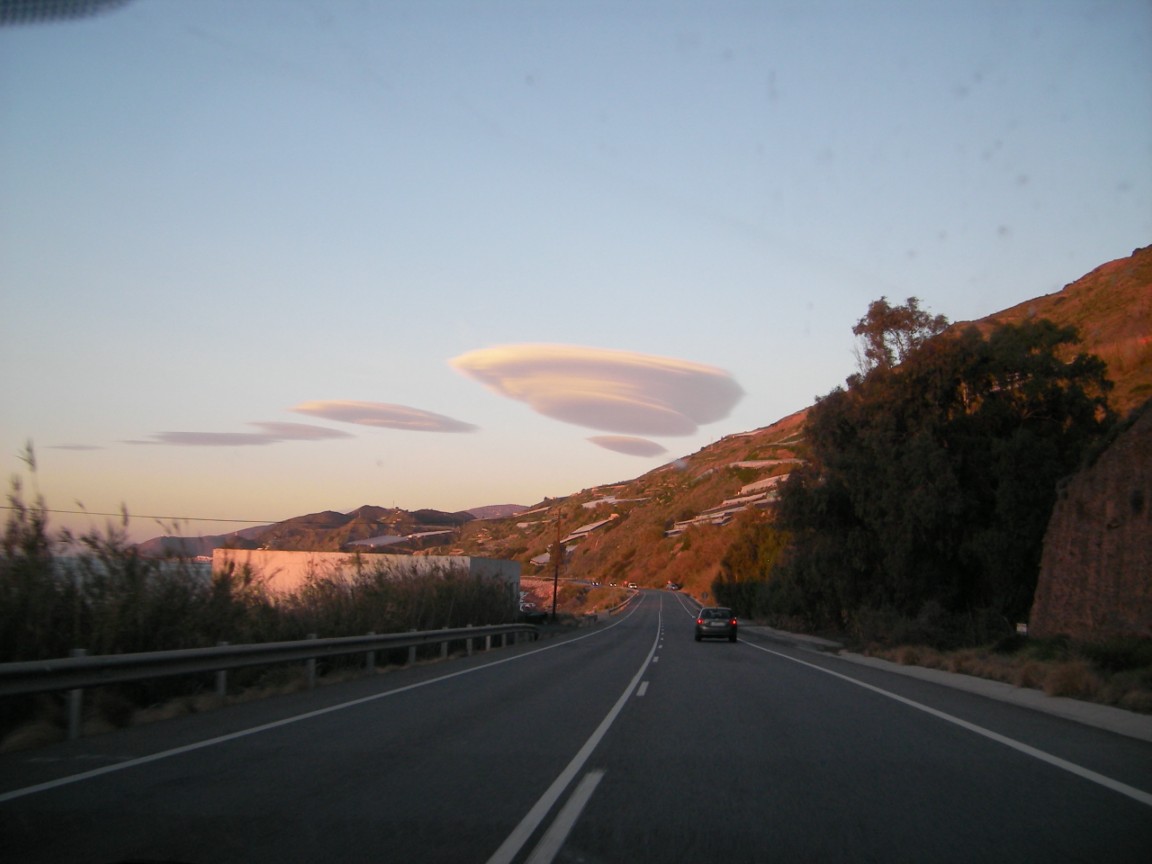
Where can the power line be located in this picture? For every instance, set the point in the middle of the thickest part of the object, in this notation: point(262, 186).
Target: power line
point(177, 519)
point(145, 516)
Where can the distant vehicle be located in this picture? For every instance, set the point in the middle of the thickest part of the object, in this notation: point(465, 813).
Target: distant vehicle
point(716, 622)
point(633, 586)
point(672, 586)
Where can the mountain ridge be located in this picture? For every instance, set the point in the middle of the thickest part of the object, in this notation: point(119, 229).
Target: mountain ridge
point(327, 530)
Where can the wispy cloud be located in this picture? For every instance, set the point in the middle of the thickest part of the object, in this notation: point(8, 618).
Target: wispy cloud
point(74, 447)
point(628, 445)
point(383, 415)
point(274, 433)
point(616, 391)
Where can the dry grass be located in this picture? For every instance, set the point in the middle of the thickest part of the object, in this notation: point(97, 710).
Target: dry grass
point(912, 655)
point(1069, 676)
point(1075, 679)
point(37, 733)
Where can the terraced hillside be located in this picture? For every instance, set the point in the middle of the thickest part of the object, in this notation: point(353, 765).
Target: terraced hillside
point(673, 524)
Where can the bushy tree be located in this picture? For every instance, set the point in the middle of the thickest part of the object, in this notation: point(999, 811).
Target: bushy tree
point(888, 334)
point(932, 481)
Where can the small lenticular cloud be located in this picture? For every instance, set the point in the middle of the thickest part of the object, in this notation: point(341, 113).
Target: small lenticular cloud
point(616, 391)
point(209, 439)
point(628, 445)
point(384, 415)
point(273, 433)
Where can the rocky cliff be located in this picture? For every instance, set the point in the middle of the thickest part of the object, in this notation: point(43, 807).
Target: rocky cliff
point(1096, 570)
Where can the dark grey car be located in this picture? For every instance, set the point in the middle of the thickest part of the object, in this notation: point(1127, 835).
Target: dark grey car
point(716, 622)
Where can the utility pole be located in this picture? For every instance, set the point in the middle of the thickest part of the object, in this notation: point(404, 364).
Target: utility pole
point(557, 554)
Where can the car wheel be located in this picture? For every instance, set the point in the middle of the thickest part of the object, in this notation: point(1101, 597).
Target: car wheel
point(697, 637)
point(732, 638)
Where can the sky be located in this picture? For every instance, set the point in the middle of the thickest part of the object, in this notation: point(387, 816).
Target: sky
point(269, 258)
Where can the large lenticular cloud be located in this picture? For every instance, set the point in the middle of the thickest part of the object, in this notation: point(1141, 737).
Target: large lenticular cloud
point(384, 415)
point(615, 391)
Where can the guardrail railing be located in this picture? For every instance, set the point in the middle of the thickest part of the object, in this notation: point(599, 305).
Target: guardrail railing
point(80, 671)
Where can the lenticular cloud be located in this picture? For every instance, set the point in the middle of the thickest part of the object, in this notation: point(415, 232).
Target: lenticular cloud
point(628, 445)
point(383, 414)
point(274, 433)
point(615, 391)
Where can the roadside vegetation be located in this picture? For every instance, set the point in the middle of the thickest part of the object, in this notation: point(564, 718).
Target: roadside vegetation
point(60, 592)
point(929, 481)
point(915, 528)
point(1117, 672)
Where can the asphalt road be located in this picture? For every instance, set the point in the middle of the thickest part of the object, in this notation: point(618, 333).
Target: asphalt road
point(628, 742)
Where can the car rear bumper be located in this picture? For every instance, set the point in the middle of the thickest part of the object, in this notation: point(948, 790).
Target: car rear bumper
point(715, 632)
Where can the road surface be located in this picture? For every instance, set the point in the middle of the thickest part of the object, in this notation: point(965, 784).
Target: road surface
point(627, 742)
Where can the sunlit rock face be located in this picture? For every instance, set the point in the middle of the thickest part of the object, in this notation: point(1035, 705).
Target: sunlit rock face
point(1096, 570)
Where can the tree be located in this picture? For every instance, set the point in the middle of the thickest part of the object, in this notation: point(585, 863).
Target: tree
point(889, 333)
point(932, 481)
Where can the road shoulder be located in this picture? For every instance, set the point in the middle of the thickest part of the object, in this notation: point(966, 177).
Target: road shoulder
point(1107, 717)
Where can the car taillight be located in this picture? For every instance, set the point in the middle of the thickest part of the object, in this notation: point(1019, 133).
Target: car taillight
point(733, 622)
point(699, 620)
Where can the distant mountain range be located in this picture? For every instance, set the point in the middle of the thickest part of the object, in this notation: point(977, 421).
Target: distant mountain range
point(634, 530)
point(331, 531)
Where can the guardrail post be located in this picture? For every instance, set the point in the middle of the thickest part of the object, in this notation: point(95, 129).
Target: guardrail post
point(444, 650)
point(370, 658)
point(222, 677)
point(468, 643)
point(411, 649)
point(488, 642)
point(311, 667)
point(75, 702)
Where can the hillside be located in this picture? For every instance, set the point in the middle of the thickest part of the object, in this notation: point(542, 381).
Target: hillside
point(399, 530)
point(1112, 309)
point(642, 530)
point(676, 522)
point(1110, 306)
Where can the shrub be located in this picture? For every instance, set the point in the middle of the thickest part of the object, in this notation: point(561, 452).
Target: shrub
point(1120, 654)
point(1073, 678)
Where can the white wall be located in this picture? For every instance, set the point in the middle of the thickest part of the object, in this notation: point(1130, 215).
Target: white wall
point(286, 571)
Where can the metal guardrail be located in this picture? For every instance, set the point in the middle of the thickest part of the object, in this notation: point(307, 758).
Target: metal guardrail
point(80, 672)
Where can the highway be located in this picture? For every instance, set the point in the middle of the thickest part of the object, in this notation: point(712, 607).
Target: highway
point(625, 742)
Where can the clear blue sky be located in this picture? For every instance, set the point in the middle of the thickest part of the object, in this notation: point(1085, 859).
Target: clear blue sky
point(265, 258)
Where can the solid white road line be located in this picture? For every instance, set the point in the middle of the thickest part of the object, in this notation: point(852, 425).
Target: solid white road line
point(558, 831)
point(1107, 782)
point(643, 688)
point(531, 821)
